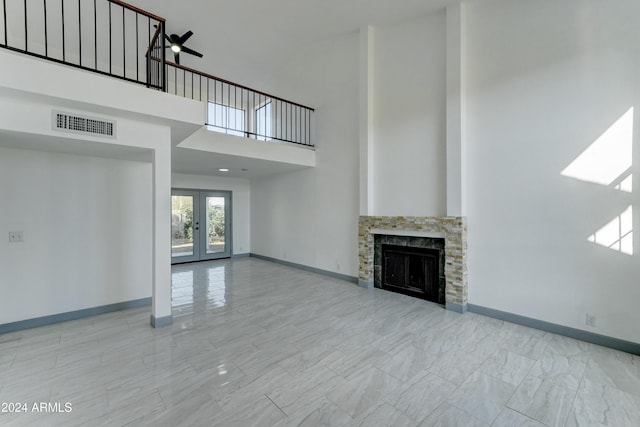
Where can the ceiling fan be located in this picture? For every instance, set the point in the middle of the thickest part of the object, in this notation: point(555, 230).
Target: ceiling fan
point(176, 43)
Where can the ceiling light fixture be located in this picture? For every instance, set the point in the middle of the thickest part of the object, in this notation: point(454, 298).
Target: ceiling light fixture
point(223, 170)
point(176, 47)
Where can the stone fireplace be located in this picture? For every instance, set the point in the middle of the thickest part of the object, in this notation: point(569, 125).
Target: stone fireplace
point(394, 230)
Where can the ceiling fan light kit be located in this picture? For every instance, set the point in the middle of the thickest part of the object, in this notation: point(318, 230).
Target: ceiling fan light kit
point(176, 44)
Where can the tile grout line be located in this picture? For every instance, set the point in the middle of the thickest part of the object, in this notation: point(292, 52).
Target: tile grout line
point(506, 405)
point(575, 397)
point(274, 404)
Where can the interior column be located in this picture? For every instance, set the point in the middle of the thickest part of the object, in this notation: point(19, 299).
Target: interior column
point(161, 294)
point(456, 151)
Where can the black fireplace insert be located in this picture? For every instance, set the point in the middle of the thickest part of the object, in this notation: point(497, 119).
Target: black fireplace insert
point(412, 271)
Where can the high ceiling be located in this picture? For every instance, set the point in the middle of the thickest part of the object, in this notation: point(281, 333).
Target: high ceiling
point(243, 40)
point(248, 41)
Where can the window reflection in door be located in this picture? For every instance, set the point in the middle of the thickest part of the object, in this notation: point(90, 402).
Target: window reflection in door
point(216, 225)
point(182, 243)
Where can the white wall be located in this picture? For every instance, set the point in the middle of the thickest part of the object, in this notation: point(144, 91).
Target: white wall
point(310, 217)
point(87, 235)
point(26, 104)
point(409, 129)
point(240, 203)
point(545, 80)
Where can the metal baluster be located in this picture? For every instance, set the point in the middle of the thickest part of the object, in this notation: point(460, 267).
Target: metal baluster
point(280, 114)
point(26, 43)
point(79, 34)
point(309, 127)
point(257, 107)
point(289, 113)
point(63, 41)
point(110, 41)
point(286, 122)
point(95, 34)
point(163, 55)
point(299, 125)
point(4, 17)
point(46, 40)
point(294, 118)
point(149, 54)
point(299, 129)
point(138, 49)
point(215, 96)
point(124, 46)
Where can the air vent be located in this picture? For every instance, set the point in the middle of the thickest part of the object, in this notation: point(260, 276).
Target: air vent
point(82, 124)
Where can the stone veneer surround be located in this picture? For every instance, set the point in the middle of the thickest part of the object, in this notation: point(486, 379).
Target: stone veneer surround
point(454, 231)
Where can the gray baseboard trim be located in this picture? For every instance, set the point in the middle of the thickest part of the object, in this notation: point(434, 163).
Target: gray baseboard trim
point(72, 315)
point(366, 285)
point(307, 268)
point(458, 308)
point(159, 322)
point(240, 255)
point(579, 334)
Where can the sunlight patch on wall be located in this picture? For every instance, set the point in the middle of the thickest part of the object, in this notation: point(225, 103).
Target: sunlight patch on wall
point(608, 161)
point(617, 234)
point(610, 156)
point(626, 184)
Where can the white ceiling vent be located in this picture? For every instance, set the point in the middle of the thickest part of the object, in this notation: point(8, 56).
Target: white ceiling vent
point(68, 122)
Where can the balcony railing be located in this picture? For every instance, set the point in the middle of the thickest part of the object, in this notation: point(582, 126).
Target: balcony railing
point(238, 110)
point(117, 39)
point(104, 36)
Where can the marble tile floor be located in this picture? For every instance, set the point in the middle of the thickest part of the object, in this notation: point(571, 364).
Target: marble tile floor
point(258, 344)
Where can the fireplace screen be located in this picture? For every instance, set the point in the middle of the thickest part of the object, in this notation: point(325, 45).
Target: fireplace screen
point(411, 271)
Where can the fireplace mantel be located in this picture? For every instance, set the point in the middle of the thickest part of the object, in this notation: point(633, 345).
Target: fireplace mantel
point(452, 229)
point(408, 233)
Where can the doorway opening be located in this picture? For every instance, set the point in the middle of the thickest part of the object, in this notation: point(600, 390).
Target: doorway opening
point(200, 225)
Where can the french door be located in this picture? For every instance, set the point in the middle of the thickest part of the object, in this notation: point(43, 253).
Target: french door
point(200, 225)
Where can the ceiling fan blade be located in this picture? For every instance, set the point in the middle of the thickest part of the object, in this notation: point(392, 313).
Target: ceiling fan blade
point(191, 52)
point(185, 37)
point(176, 57)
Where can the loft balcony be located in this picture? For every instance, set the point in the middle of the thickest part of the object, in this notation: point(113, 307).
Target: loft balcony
point(241, 126)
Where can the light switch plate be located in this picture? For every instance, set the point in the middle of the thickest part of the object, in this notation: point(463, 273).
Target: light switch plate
point(16, 236)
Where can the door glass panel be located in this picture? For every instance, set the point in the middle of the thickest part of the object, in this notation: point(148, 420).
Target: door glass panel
point(215, 211)
point(182, 243)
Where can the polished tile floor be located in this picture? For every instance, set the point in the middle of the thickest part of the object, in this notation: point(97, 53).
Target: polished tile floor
point(259, 344)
